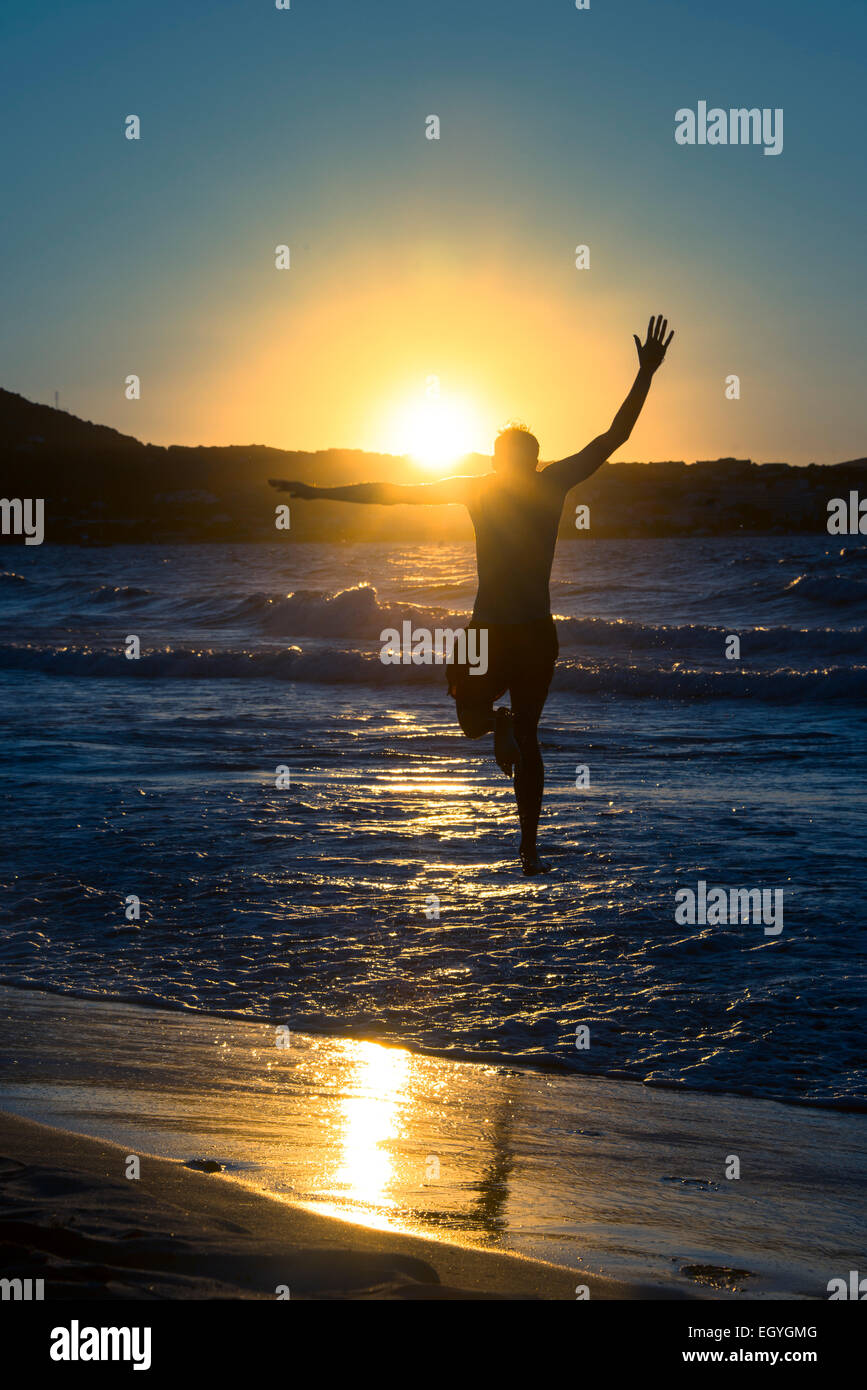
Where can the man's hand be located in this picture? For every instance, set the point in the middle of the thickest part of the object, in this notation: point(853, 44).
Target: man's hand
point(651, 353)
point(570, 471)
point(294, 489)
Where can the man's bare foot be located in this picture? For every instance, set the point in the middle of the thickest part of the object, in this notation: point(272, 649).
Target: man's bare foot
point(506, 749)
point(532, 864)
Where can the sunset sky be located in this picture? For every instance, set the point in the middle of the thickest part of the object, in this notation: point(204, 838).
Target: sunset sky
point(413, 258)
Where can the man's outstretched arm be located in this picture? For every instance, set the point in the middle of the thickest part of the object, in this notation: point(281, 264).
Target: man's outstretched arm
point(574, 469)
point(383, 494)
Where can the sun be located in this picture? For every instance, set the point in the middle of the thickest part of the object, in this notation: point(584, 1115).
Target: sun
point(436, 430)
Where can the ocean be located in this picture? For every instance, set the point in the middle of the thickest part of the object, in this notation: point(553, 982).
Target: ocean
point(378, 895)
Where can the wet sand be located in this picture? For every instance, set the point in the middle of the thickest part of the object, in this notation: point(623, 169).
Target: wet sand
point(70, 1216)
point(500, 1181)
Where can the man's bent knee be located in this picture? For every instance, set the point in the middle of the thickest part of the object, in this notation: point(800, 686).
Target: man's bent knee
point(475, 720)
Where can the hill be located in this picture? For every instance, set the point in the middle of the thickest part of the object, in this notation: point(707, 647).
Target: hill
point(101, 486)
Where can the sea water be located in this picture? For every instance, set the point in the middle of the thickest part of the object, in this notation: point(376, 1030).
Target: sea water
point(152, 852)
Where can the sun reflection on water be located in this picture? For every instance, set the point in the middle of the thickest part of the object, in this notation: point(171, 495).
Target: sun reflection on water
point(371, 1122)
point(373, 1093)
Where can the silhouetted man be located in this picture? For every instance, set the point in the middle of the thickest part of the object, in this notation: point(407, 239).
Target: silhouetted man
point(516, 514)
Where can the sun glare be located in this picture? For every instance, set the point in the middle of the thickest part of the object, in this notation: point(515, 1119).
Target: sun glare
point(436, 431)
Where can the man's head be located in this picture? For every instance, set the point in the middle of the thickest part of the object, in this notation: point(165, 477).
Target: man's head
point(516, 450)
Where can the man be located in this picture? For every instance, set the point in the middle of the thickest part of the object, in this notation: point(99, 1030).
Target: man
point(516, 514)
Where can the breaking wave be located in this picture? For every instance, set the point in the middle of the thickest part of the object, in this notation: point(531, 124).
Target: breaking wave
point(350, 667)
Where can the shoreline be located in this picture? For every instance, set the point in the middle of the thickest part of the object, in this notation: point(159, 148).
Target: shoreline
point(602, 1180)
point(541, 1068)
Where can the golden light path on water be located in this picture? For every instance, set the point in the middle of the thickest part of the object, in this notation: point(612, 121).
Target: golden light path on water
point(371, 1117)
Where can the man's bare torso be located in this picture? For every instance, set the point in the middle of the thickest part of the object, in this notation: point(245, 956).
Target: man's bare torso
point(516, 532)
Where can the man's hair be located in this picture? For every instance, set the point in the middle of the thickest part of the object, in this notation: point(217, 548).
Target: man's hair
point(515, 444)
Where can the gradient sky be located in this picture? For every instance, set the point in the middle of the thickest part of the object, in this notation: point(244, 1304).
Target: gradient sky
point(413, 257)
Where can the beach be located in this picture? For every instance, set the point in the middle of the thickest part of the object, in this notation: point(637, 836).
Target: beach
point(71, 1219)
point(261, 909)
point(501, 1182)
point(433, 660)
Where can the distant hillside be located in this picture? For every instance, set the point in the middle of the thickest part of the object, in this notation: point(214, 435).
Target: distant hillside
point(101, 486)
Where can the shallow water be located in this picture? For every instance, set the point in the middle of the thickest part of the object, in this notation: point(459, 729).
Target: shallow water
point(307, 905)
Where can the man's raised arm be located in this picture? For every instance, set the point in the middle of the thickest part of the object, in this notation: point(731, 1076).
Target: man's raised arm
point(574, 469)
point(383, 494)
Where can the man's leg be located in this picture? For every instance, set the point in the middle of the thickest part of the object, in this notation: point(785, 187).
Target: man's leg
point(477, 720)
point(534, 660)
point(529, 784)
point(474, 695)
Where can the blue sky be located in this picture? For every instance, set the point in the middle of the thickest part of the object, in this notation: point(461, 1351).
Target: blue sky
point(409, 257)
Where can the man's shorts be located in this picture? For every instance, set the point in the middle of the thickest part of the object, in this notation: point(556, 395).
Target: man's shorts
point(521, 659)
